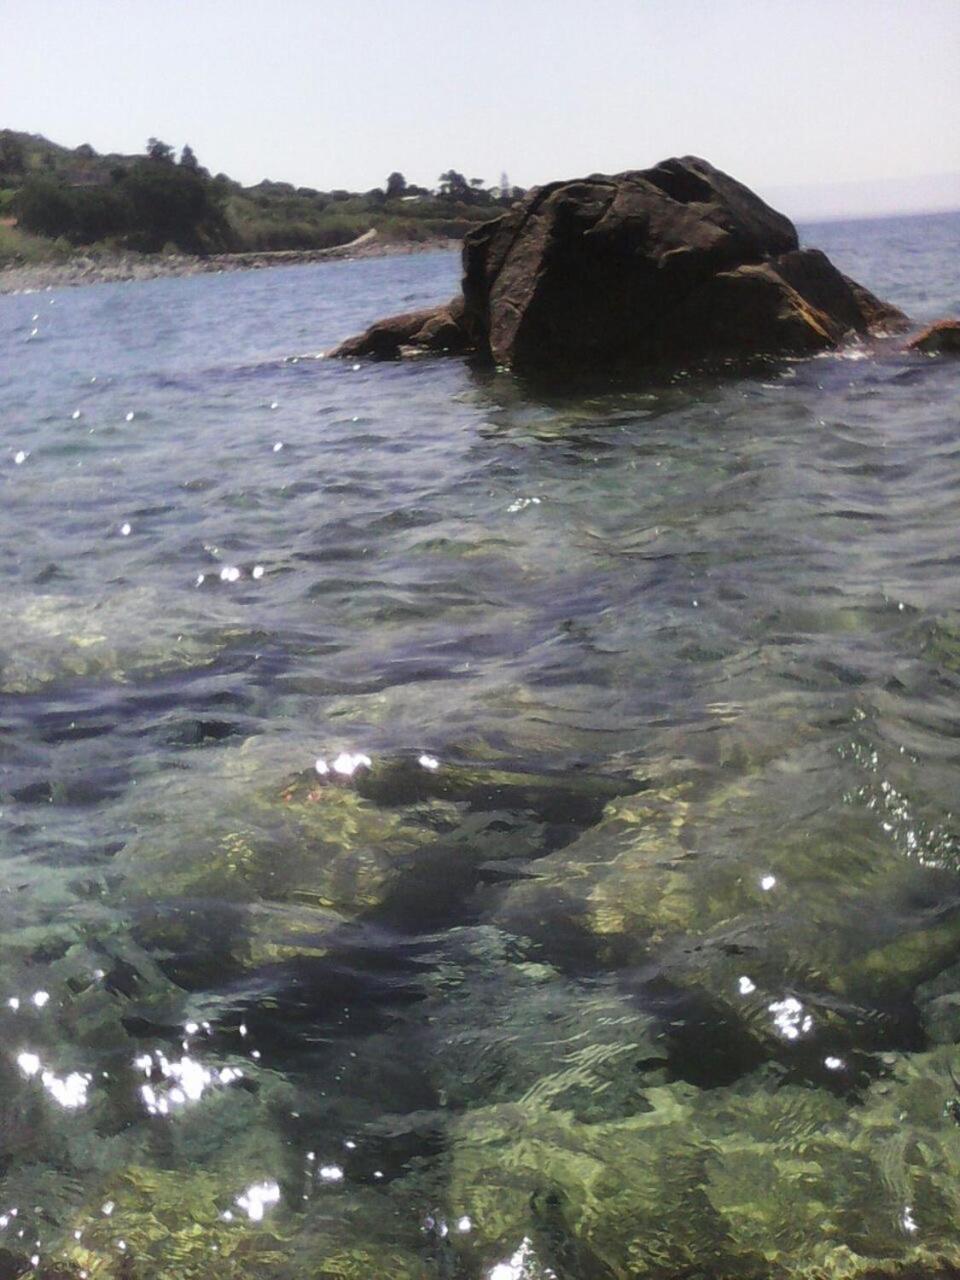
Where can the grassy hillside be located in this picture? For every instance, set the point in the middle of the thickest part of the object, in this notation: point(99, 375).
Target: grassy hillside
point(54, 199)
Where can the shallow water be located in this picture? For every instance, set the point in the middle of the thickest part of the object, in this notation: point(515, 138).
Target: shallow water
point(635, 950)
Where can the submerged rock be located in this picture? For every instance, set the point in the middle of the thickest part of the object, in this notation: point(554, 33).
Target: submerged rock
point(938, 339)
point(281, 865)
point(577, 798)
point(127, 633)
point(810, 955)
point(675, 262)
point(759, 1180)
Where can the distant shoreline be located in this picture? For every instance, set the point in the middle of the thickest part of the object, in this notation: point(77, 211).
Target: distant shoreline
point(82, 269)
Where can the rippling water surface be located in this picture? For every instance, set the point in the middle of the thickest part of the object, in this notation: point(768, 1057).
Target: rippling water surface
point(455, 827)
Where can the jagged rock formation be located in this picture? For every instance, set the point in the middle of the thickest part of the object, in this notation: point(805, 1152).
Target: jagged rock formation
point(671, 263)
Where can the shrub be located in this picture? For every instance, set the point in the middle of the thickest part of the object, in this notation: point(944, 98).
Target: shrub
point(45, 208)
point(170, 203)
point(152, 204)
point(17, 246)
point(266, 236)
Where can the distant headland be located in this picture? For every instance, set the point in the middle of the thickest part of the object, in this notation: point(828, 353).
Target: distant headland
point(72, 216)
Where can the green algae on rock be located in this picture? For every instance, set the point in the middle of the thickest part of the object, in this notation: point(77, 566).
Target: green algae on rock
point(753, 1180)
point(815, 952)
point(287, 862)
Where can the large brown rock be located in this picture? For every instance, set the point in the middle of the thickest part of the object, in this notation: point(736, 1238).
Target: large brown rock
point(675, 262)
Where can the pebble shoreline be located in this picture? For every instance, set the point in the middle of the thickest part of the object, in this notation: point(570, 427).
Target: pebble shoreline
point(86, 269)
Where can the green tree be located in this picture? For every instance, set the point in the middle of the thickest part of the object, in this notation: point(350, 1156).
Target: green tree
point(173, 205)
point(187, 158)
point(81, 215)
point(396, 186)
point(13, 160)
point(43, 206)
point(454, 186)
point(159, 151)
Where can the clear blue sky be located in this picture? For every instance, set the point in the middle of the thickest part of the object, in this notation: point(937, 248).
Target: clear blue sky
point(781, 93)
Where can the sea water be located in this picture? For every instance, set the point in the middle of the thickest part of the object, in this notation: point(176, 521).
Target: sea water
point(454, 826)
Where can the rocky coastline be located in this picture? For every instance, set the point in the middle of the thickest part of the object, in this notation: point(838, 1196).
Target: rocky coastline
point(87, 268)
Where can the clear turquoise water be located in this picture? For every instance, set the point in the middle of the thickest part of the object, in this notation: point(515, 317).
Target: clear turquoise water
point(699, 1019)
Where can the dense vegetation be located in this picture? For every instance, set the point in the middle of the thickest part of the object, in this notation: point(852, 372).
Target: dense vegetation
point(53, 199)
